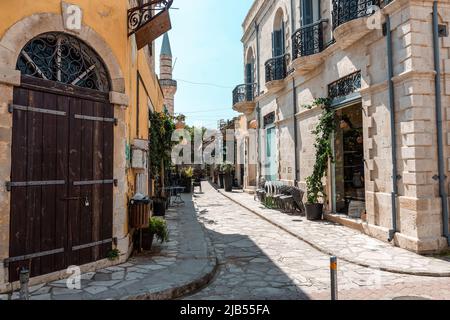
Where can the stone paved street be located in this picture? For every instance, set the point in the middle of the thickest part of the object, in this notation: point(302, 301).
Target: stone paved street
point(261, 261)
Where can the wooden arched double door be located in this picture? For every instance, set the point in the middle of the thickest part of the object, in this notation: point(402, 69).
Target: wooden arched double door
point(61, 178)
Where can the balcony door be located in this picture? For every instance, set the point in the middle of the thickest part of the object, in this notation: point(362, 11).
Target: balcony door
point(310, 11)
point(249, 80)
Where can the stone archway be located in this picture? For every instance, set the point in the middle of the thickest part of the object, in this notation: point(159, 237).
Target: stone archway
point(28, 28)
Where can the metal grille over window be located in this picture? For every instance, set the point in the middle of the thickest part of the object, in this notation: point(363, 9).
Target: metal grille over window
point(63, 58)
point(345, 86)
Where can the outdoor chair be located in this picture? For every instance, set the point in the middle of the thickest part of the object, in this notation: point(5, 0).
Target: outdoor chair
point(297, 195)
point(260, 193)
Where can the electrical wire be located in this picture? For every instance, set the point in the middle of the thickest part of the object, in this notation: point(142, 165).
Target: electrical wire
point(205, 84)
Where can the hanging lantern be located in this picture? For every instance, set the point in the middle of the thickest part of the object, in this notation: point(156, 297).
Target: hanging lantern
point(343, 124)
point(253, 124)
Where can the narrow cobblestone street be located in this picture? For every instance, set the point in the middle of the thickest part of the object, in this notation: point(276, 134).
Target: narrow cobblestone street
point(261, 261)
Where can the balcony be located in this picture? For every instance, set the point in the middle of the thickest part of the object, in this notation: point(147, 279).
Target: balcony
point(276, 72)
point(307, 46)
point(244, 98)
point(348, 24)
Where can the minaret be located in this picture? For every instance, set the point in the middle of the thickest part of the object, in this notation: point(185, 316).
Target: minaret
point(168, 85)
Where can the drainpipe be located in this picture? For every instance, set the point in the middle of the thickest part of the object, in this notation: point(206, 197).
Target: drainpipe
point(441, 166)
point(258, 111)
point(395, 175)
point(294, 96)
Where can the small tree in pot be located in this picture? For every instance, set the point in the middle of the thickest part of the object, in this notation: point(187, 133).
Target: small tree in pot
point(221, 176)
point(186, 178)
point(162, 127)
point(227, 169)
point(324, 152)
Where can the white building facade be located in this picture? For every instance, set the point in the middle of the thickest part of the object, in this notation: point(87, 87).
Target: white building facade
point(375, 60)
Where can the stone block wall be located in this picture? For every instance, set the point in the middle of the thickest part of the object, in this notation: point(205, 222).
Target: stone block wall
point(419, 212)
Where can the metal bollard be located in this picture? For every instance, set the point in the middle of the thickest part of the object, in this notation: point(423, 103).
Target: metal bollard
point(334, 281)
point(24, 278)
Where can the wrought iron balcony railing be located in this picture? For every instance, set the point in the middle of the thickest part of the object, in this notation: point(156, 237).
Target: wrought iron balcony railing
point(244, 93)
point(347, 10)
point(345, 86)
point(276, 68)
point(308, 40)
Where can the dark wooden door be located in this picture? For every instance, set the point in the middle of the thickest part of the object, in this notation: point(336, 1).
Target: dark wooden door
point(61, 178)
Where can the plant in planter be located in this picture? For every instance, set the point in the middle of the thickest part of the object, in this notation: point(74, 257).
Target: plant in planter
point(324, 153)
point(227, 169)
point(221, 176)
point(157, 228)
point(186, 178)
point(112, 255)
point(162, 127)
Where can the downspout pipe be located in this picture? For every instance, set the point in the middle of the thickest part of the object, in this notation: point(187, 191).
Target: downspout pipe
point(395, 175)
point(258, 111)
point(294, 99)
point(441, 166)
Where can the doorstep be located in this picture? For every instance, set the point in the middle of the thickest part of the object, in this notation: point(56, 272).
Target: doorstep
point(353, 223)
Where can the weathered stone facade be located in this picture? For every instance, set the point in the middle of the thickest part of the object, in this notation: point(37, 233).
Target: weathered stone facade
point(360, 45)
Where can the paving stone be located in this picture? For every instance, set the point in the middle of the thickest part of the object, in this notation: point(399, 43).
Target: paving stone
point(118, 275)
point(95, 289)
point(41, 291)
point(65, 291)
point(87, 276)
point(41, 297)
point(35, 288)
point(101, 276)
point(104, 283)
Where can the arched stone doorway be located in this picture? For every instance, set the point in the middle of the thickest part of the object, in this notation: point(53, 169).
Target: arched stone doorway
point(62, 157)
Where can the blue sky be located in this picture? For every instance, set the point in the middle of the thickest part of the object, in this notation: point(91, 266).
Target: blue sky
point(205, 40)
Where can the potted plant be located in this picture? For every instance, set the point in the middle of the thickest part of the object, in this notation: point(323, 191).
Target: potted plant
point(227, 169)
point(159, 200)
point(220, 175)
point(162, 127)
point(323, 133)
point(157, 228)
point(186, 178)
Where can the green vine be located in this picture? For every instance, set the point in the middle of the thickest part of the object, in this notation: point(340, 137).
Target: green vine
point(162, 127)
point(113, 254)
point(324, 151)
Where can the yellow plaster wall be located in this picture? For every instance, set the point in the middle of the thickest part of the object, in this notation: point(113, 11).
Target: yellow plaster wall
point(109, 19)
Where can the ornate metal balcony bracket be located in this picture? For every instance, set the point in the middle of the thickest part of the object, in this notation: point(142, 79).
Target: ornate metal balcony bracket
point(149, 21)
point(345, 86)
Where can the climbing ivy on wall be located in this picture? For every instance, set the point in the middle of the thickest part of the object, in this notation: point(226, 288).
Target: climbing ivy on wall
point(162, 126)
point(324, 151)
